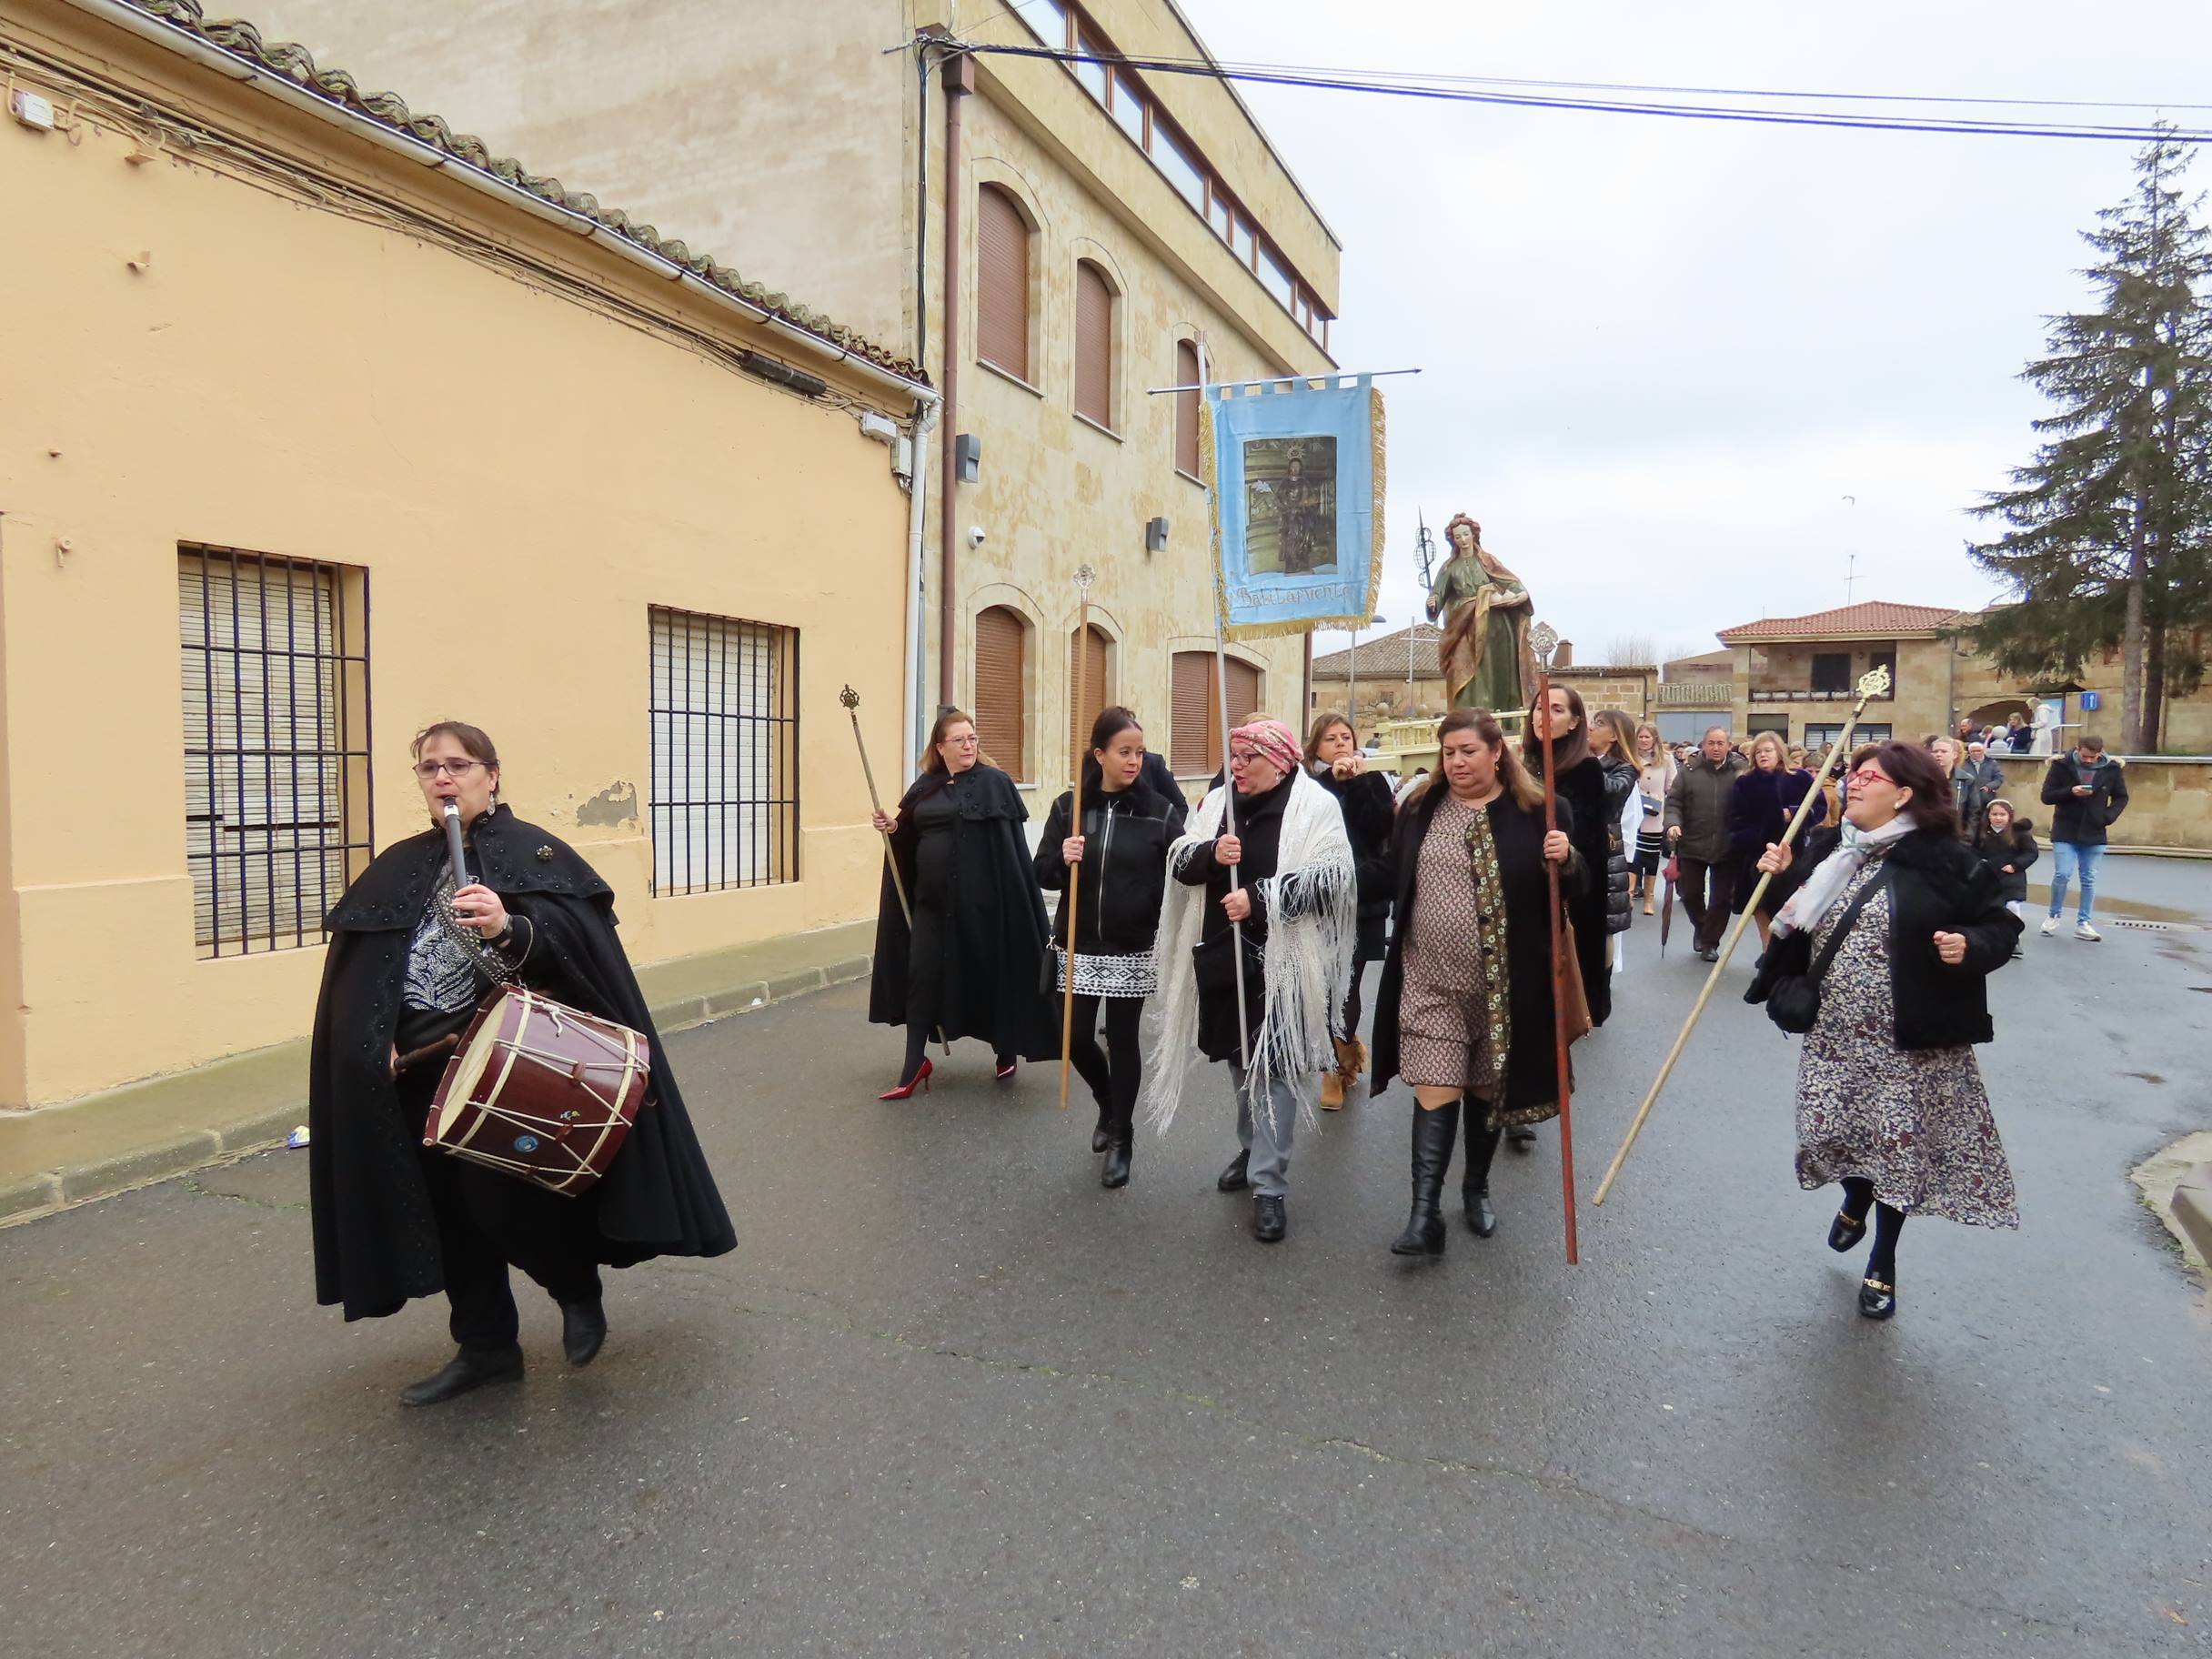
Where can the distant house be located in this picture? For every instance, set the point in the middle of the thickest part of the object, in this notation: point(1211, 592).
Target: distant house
point(1399, 677)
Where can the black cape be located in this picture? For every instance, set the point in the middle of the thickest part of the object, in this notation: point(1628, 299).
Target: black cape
point(1584, 804)
point(973, 962)
point(375, 1244)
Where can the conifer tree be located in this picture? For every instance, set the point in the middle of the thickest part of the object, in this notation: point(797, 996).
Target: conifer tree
point(2108, 530)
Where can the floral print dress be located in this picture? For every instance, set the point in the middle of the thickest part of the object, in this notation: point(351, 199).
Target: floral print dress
point(1915, 1122)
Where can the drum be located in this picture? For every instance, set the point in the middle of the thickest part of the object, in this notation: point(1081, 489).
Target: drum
point(541, 1090)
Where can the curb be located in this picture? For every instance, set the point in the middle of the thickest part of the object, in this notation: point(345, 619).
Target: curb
point(29, 1197)
point(2192, 1209)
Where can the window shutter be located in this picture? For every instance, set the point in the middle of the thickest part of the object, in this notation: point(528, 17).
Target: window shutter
point(1093, 345)
point(1190, 718)
point(999, 636)
point(1002, 282)
point(1086, 669)
point(1186, 407)
point(1243, 693)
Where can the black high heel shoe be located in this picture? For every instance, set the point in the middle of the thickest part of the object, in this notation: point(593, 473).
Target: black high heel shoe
point(1844, 1233)
point(1877, 1299)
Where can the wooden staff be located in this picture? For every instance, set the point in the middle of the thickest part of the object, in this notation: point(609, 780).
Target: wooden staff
point(1084, 576)
point(1542, 640)
point(1872, 684)
point(851, 699)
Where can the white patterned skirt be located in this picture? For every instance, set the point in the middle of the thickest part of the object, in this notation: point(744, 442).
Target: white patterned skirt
point(1099, 975)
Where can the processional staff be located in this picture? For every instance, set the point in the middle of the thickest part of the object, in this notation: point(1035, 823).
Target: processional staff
point(1084, 576)
point(1542, 641)
point(1874, 683)
point(851, 699)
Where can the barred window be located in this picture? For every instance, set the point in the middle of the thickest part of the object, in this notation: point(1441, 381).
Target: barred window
point(273, 656)
point(724, 798)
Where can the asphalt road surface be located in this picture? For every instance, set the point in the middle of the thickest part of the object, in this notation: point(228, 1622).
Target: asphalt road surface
point(950, 1397)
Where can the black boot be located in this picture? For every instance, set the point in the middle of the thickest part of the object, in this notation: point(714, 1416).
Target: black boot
point(1434, 1132)
point(471, 1368)
point(1474, 1185)
point(1522, 1136)
point(583, 1328)
point(1121, 1135)
point(1102, 1136)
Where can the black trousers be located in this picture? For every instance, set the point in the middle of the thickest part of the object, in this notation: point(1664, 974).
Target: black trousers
point(487, 1221)
point(1115, 1074)
point(1360, 961)
point(1708, 915)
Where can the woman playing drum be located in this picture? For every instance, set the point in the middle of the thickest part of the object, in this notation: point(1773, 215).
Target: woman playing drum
point(410, 958)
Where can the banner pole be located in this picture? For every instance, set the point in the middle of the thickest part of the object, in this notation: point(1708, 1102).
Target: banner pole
point(1229, 783)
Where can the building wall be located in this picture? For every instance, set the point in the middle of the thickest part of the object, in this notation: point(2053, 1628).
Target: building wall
point(520, 473)
point(1630, 690)
point(1917, 703)
point(1380, 699)
point(2169, 801)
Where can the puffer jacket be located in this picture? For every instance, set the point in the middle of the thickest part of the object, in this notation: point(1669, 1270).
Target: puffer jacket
point(1621, 783)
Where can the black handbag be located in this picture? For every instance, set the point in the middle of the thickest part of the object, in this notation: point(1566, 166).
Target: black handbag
point(1214, 965)
point(1792, 1000)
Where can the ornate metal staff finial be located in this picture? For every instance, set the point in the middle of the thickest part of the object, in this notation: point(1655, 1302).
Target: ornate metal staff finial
point(849, 698)
point(1084, 576)
point(1543, 639)
point(1875, 682)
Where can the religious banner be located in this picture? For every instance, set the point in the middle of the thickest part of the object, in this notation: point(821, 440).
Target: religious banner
point(1297, 471)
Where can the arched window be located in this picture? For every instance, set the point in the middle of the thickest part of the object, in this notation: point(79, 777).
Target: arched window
point(1093, 344)
point(1194, 731)
point(1186, 408)
point(1001, 282)
point(1090, 686)
point(1002, 648)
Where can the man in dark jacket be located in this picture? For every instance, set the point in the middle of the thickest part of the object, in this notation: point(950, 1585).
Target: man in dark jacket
point(1976, 781)
point(2085, 792)
point(1696, 822)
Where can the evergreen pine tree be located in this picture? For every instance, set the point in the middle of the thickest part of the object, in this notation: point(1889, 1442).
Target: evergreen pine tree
point(2108, 537)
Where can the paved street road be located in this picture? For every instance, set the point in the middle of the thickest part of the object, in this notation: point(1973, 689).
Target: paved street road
point(949, 1397)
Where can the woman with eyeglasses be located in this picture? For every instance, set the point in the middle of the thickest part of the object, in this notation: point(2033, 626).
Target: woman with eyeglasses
point(972, 963)
point(1900, 925)
point(410, 958)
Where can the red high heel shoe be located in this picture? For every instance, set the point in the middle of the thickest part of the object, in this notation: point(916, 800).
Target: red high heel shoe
point(905, 1091)
point(1007, 1069)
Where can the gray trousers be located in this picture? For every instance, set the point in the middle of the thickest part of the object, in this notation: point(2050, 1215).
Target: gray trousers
point(1265, 1132)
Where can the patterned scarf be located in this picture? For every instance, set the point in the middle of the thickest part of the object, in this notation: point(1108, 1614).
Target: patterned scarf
point(1277, 744)
point(1826, 885)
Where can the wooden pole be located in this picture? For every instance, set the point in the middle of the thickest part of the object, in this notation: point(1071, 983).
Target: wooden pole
point(1083, 579)
point(1229, 783)
point(1545, 641)
point(1873, 684)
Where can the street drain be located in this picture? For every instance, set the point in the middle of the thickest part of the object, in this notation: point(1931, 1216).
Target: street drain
point(2153, 926)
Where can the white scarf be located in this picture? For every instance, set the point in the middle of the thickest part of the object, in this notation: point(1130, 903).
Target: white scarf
point(1312, 922)
point(1826, 885)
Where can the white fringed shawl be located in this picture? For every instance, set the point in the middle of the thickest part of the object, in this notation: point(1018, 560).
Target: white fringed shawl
point(1312, 920)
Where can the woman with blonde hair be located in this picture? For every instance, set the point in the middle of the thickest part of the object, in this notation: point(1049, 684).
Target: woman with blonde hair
point(1760, 805)
point(1332, 756)
point(1655, 764)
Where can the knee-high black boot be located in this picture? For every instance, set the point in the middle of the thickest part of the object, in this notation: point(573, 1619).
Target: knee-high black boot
point(1434, 1128)
point(1474, 1185)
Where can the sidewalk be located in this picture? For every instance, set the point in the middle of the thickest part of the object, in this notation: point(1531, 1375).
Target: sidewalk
point(152, 1130)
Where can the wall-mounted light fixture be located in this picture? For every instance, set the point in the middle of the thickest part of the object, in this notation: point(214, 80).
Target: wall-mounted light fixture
point(1156, 536)
point(967, 456)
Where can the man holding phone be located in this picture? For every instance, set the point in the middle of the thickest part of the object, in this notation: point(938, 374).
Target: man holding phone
point(2086, 792)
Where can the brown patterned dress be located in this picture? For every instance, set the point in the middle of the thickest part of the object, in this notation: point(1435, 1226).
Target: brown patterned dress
point(1915, 1122)
point(1454, 1029)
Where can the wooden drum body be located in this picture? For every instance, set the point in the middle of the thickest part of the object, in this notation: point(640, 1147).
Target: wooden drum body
point(541, 1090)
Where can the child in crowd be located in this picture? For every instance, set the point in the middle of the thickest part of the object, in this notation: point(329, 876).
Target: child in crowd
point(2007, 846)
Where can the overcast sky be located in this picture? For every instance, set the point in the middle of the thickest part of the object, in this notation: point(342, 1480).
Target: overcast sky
point(1682, 370)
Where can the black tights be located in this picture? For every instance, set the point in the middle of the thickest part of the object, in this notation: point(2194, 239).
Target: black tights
point(917, 1045)
point(1351, 997)
point(1882, 1259)
point(1114, 1074)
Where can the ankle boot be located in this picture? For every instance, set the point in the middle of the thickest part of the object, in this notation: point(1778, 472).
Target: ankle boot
point(1120, 1136)
point(1434, 1132)
point(1102, 1136)
point(471, 1369)
point(1474, 1186)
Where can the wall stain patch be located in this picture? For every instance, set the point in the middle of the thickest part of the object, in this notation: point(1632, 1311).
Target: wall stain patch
point(615, 804)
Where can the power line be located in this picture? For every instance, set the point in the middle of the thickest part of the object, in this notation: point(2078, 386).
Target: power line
point(1438, 89)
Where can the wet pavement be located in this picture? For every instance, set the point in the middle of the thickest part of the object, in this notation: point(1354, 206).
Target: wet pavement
point(950, 1396)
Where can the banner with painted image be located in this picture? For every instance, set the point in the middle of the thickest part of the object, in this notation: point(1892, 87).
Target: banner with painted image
point(1297, 473)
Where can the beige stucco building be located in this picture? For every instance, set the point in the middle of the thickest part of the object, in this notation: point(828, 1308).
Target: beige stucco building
point(1105, 225)
point(323, 423)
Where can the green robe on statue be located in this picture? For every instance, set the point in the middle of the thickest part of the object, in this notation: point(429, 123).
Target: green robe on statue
point(1484, 650)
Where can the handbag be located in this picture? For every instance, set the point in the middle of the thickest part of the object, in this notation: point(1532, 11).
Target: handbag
point(1214, 965)
point(1574, 996)
point(1792, 1000)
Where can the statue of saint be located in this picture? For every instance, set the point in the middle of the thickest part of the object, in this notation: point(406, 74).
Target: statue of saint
point(1485, 610)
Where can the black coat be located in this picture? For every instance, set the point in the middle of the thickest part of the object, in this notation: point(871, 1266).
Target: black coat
point(2082, 820)
point(1587, 800)
point(1620, 784)
point(1939, 885)
point(1532, 1068)
point(1260, 837)
point(972, 965)
point(1369, 815)
point(1125, 866)
point(374, 1242)
point(1759, 808)
point(2017, 848)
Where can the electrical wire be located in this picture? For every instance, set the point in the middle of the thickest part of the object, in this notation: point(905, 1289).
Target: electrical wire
point(1443, 89)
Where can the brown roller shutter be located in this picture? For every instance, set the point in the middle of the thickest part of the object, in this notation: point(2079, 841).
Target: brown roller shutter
point(1086, 670)
point(1190, 716)
point(1186, 407)
point(1243, 692)
point(1001, 282)
point(999, 638)
point(1093, 345)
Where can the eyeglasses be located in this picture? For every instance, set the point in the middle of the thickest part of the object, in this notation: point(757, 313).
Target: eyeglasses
point(1244, 757)
point(967, 742)
point(458, 769)
point(1868, 774)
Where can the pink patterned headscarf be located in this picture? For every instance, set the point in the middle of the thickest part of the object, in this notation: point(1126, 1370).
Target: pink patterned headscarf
point(1277, 744)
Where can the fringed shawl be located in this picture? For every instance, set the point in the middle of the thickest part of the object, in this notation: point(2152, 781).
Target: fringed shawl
point(1312, 918)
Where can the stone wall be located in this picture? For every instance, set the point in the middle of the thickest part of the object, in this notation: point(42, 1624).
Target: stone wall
point(2170, 801)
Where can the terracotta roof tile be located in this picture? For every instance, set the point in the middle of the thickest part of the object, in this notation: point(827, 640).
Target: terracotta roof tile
point(1871, 616)
point(296, 65)
point(1383, 656)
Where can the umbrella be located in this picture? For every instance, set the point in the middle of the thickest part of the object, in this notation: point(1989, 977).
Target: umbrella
point(1666, 908)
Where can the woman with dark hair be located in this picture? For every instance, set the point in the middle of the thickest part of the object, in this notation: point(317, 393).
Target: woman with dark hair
point(1595, 795)
point(973, 964)
point(1333, 757)
point(1120, 856)
point(411, 956)
point(1759, 806)
point(1464, 1010)
point(1899, 925)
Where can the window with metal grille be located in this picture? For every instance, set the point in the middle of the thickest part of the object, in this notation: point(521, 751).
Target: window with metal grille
point(274, 673)
point(1186, 408)
point(1001, 282)
point(1194, 734)
point(1093, 344)
point(724, 796)
point(1001, 645)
